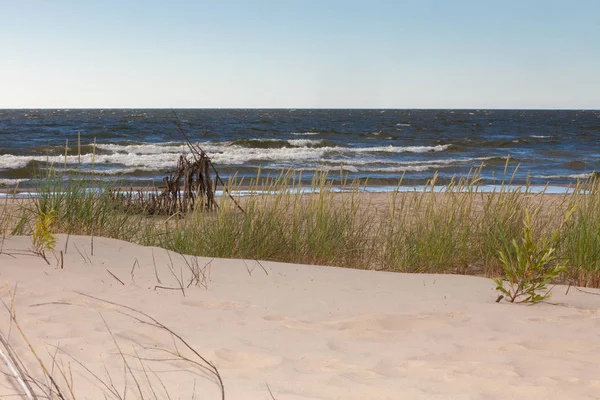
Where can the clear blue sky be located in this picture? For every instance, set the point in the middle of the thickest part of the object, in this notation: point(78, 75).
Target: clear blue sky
point(288, 53)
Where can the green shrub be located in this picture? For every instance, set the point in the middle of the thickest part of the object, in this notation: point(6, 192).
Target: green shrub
point(531, 267)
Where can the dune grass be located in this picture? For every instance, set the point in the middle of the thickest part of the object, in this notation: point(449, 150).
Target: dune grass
point(454, 229)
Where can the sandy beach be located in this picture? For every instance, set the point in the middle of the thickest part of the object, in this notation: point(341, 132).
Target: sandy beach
point(289, 331)
point(299, 200)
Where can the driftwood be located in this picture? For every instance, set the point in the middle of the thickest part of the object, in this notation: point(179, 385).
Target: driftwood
point(187, 188)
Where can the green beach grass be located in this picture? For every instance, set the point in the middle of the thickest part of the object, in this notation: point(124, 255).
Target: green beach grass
point(458, 229)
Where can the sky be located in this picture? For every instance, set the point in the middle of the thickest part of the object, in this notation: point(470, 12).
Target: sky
point(300, 54)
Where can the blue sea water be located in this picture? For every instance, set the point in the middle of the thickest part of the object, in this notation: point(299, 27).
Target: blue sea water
point(138, 147)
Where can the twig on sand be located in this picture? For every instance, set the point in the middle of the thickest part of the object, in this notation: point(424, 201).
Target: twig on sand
point(166, 287)
point(262, 266)
point(136, 262)
point(114, 276)
point(86, 259)
point(63, 303)
point(270, 392)
point(586, 292)
point(198, 274)
point(250, 271)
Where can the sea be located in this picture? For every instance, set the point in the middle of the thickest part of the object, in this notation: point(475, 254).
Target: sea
point(138, 147)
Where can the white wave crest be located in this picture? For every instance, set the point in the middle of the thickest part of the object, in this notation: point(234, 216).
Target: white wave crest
point(449, 161)
point(400, 149)
point(146, 148)
point(114, 171)
point(327, 168)
point(11, 182)
point(235, 155)
point(304, 133)
point(405, 168)
point(174, 147)
point(304, 142)
point(157, 161)
point(165, 155)
point(570, 176)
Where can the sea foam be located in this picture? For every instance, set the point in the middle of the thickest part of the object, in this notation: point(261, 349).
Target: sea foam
point(165, 155)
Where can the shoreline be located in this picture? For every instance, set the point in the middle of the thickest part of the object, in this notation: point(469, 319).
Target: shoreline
point(245, 190)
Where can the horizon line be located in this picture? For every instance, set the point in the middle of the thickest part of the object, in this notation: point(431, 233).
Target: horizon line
point(306, 108)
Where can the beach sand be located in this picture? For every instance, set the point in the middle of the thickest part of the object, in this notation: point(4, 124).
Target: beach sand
point(291, 332)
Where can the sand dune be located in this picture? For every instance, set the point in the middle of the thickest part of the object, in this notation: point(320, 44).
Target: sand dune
point(302, 332)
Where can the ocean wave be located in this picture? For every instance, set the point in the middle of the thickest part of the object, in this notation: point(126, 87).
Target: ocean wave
point(448, 161)
point(177, 147)
point(259, 143)
point(274, 143)
point(152, 157)
point(168, 160)
point(239, 155)
point(305, 142)
point(158, 161)
point(304, 133)
point(146, 148)
point(400, 149)
point(384, 165)
point(396, 169)
point(163, 156)
point(11, 182)
point(115, 171)
point(585, 175)
point(327, 168)
point(358, 169)
point(406, 168)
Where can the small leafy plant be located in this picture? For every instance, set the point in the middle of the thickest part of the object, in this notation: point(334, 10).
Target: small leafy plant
point(43, 239)
point(532, 266)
